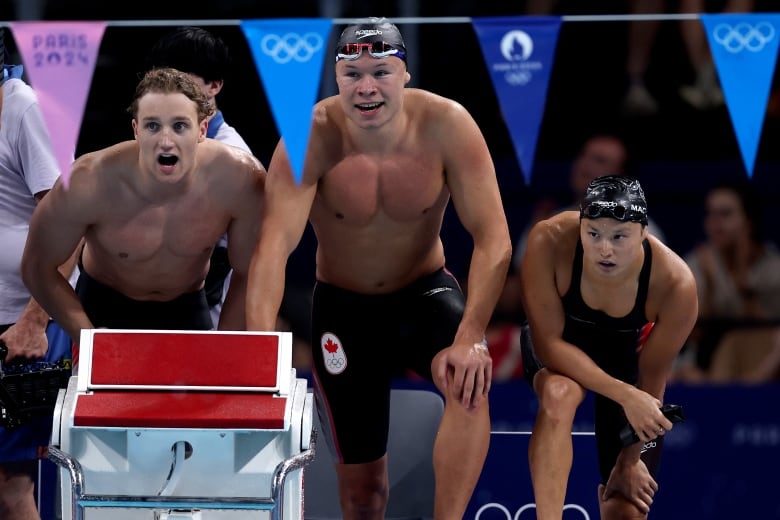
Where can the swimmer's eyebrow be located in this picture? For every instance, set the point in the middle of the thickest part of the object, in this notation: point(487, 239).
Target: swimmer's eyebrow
point(172, 118)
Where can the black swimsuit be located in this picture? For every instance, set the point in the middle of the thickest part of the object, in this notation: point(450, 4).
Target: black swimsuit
point(613, 344)
point(111, 309)
point(360, 342)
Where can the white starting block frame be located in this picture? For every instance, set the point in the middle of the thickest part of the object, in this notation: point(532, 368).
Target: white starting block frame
point(183, 421)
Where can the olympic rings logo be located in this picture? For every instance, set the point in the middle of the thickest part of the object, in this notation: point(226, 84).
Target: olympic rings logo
point(518, 77)
point(508, 514)
point(743, 36)
point(291, 46)
point(335, 363)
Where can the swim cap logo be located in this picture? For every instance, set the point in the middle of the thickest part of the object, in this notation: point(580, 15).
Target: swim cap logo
point(333, 354)
point(365, 33)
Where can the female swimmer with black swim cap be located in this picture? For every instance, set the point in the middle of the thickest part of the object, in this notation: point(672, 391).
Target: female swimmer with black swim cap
point(592, 281)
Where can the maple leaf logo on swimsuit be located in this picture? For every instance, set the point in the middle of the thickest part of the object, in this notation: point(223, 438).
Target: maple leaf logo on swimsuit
point(331, 347)
point(333, 355)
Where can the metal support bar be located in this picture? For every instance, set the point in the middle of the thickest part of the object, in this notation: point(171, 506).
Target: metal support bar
point(274, 503)
point(284, 468)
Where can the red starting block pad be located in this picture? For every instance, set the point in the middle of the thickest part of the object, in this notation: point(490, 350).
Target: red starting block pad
point(183, 420)
point(170, 379)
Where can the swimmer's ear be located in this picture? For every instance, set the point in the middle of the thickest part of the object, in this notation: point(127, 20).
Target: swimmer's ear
point(135, 129)
point(407, 78)
point(204, 125)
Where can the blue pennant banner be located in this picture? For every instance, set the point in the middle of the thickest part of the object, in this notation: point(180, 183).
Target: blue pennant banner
point(744, 50)
point(289, 54)
point(519, 53)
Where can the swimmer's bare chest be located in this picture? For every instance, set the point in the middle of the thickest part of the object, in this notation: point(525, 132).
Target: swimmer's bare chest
point(160, 233)
point(378, 223)
point(363, 190)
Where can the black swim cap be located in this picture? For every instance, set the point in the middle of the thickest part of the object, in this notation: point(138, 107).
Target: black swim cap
point(371, 31)
point(615, 196)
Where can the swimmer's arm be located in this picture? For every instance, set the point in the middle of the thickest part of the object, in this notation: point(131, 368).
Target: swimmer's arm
point(26, 338)
point(242, 235)
point(674, 323)
point(471, 179)
point(57, 227)
point(36, 154)
point(285, 214)
point(33, 316)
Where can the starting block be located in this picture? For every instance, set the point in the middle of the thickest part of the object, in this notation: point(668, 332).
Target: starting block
point(183, 424)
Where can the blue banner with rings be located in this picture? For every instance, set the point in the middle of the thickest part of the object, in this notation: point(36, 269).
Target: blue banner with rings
point(744, 51)
point(519, 53)
point(289, 55)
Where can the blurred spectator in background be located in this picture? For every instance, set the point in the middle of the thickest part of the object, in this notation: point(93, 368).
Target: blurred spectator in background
point(601, 154)
point(704, 93)
point(750, 355)
point(737, 273)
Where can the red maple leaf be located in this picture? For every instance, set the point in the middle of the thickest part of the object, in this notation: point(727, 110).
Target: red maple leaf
point(331, 347)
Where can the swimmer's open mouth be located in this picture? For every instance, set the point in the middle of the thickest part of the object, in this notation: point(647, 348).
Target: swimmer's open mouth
point(167, 159)
point(367, 107)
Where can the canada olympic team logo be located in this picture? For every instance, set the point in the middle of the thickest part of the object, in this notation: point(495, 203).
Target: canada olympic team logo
point(333, 355)
point(503, 513)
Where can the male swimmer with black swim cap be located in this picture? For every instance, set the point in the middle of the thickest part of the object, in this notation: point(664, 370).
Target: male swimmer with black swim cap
point(382, 164)
point(592, 282)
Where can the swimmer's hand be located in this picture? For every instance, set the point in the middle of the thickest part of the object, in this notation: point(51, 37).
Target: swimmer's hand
point(464, 372)
point(632, 481)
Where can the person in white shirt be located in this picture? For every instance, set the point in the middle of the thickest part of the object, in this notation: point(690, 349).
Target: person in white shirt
point(28, 170)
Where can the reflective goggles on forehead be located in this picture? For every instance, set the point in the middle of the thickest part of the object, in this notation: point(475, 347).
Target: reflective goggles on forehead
point(352, 51)
point(617, 212)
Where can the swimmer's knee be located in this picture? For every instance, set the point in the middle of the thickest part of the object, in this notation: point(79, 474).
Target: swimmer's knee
point(558, 393)
point(363, 489)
